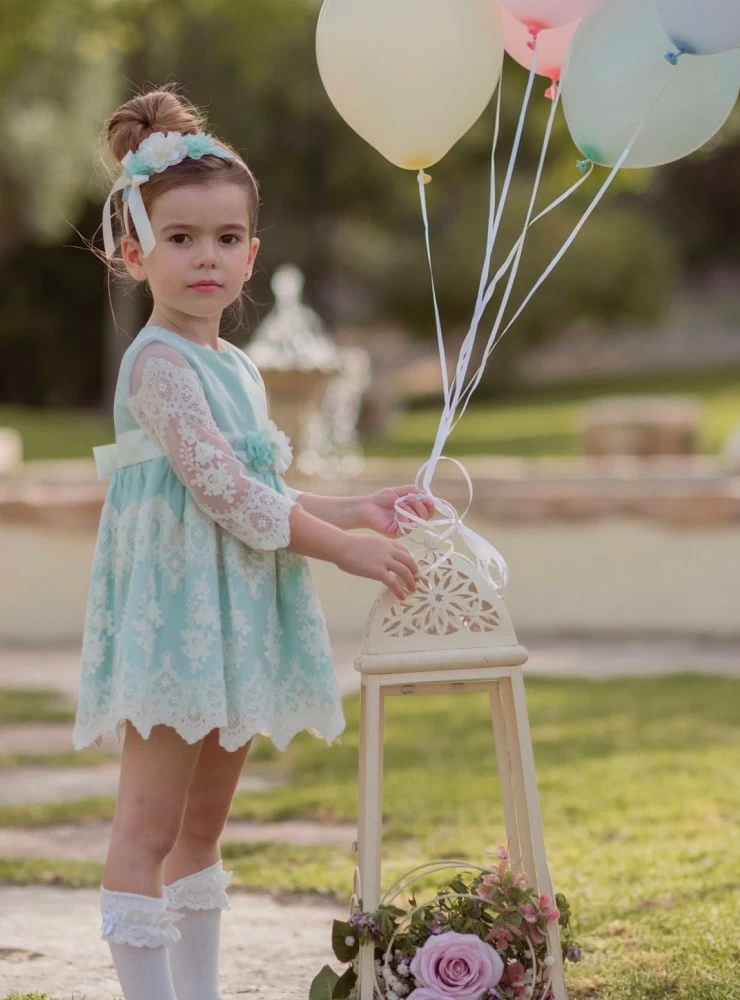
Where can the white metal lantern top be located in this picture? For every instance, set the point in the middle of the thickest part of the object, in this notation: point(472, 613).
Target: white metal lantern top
point(454, 618)
point(292, 336)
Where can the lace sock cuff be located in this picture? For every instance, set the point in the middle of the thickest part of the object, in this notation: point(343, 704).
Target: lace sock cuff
point(141, 921)
point(203, 890)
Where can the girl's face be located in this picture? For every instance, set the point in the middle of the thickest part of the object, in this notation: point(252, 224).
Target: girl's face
point(204, 252)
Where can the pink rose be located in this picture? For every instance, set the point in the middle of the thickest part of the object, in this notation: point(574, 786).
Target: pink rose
point(457, 966)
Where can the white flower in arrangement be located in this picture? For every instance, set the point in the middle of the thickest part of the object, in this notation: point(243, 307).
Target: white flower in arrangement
point(549, 960)
point(349, 940)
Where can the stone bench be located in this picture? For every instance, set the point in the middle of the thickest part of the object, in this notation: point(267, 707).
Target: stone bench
point(641, 425)
point(11, 451)
point(697, 490)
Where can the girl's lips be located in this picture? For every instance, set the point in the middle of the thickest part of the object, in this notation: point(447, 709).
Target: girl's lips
point(206, 286)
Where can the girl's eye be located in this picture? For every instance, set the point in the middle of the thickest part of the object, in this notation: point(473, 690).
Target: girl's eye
point(230, 238)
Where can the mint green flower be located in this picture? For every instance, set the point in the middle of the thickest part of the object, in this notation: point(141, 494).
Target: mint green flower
point(202, 144)
point(135, 163)
point(268, 449)
point(260, 451)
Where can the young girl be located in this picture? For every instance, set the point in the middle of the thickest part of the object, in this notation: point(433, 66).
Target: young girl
point(203, 626)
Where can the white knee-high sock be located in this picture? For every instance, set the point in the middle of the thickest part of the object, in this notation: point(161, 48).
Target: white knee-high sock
point(199, 898)
point(138, 930)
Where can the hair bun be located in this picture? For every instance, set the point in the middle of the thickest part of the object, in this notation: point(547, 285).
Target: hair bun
point(160, 110)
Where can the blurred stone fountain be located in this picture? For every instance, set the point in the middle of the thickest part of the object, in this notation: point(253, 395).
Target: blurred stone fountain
point(314, 387)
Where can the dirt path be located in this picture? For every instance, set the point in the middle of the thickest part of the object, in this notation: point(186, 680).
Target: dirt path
point(50, 943)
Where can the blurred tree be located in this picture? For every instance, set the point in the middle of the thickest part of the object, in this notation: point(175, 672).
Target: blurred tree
point(58, 81)
point(332, 204)
point(698, 201)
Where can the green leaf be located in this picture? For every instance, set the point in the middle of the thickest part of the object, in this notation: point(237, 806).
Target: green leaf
point(344, 986)
point(322, 988)
point(344, 951)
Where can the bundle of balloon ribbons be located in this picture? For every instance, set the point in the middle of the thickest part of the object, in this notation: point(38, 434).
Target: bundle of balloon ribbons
point(641, 83)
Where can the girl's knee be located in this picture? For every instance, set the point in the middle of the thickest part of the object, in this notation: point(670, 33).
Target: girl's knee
point(203, 826)
point(153, 843)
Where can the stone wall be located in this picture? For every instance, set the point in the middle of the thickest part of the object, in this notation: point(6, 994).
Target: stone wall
point(675, 491)
point(620, 546)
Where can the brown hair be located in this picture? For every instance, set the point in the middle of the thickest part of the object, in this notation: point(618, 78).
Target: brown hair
point(163, 110)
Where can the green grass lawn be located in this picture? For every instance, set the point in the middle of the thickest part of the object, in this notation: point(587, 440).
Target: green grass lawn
point(641, 804)
point(36, 705)
point(545, 422)
point(535, 422)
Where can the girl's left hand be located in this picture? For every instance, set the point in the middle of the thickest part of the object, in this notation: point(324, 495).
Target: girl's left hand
point(378, 509)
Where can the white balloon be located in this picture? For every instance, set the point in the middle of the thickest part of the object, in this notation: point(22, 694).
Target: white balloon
point(410, 76)
point(701, 27)
point(615, 73)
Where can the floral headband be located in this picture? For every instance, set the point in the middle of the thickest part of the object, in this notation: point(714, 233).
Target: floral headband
point(157, 152)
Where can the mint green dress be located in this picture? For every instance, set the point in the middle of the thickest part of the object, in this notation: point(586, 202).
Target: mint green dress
point(198, 617)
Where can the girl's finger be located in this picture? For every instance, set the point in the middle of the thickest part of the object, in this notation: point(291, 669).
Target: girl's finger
point(405, 574)
point(392, 582)
point(405, 556)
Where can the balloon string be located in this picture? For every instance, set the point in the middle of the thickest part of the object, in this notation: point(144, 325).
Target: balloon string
point(507, 263)
point(492, 206)
point(422, 179)
point(467, 346)
point(450, 407)
point(514, 259)
point(582, 222)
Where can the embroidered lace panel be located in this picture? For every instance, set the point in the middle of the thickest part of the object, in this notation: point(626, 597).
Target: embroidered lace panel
point(169, 403)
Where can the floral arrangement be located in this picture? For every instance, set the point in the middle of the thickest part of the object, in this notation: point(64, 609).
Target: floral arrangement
point(483, 937)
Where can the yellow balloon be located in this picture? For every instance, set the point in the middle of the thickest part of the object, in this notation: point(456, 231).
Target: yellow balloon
point(410, 76)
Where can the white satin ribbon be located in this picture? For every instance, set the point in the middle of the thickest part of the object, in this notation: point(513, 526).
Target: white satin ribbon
point(131, 447)
point(489, 561)
point(135, 205)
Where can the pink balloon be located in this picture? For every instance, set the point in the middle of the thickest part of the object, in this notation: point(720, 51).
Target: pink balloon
point(552, 46)
point(541, 15)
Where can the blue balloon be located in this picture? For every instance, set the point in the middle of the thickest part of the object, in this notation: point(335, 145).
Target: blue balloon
point(618, 88)
point(701, 27)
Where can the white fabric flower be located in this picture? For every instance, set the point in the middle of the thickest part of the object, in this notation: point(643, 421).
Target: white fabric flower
point(161, 151)
point(283, 447)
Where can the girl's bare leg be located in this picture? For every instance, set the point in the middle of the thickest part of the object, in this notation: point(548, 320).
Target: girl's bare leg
point(195, 882)
point(152, 792)
point(152, 795)
point(210, 795)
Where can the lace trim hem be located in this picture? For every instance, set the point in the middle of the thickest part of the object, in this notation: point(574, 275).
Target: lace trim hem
point(230, 738)
point(204, 890)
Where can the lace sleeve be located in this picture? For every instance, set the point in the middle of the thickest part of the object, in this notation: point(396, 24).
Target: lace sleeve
point(167, 400)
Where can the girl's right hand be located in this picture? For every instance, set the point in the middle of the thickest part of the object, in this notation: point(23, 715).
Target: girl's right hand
point(380, 559)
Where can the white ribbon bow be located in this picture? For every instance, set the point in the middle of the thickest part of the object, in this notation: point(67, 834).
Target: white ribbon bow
point(491, 564)
point(135, 205)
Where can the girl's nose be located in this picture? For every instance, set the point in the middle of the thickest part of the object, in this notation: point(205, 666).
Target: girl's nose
point(207, 255)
